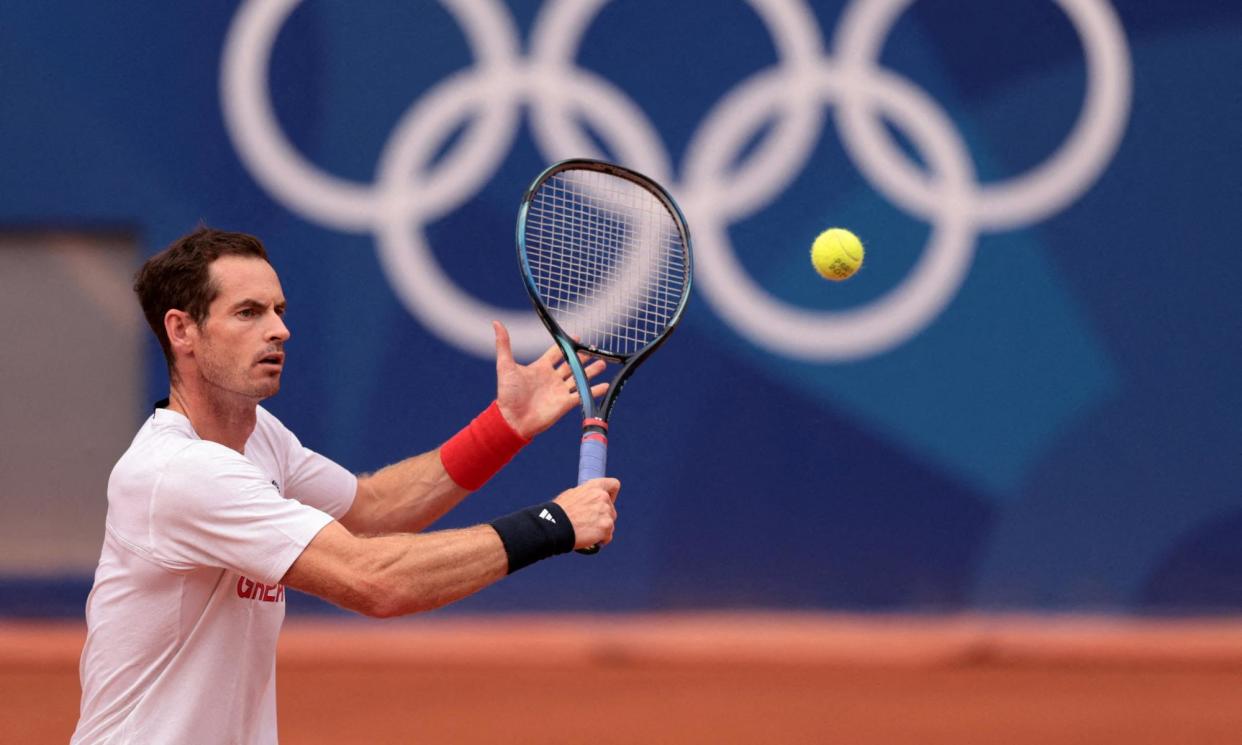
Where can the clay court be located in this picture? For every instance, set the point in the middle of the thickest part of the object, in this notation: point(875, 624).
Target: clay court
point(709, 679)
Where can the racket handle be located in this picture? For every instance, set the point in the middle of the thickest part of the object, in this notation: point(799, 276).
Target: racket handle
point(592, 458)
point(592, 461)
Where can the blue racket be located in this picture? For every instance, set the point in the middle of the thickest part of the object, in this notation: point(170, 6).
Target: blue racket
point(605, 254)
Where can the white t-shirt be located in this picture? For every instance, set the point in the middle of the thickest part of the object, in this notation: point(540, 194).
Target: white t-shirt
point(183, 618)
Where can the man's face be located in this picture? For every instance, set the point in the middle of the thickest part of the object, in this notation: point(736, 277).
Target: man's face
point(241, 342)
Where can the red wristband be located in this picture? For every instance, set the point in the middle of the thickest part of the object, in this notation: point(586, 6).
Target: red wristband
point(483, 447)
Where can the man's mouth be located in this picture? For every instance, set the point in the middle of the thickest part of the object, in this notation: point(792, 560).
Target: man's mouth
point(275, 359)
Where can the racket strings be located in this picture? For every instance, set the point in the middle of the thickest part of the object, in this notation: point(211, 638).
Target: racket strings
point(607, 259)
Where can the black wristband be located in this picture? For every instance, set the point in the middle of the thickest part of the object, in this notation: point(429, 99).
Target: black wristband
point(535, 533)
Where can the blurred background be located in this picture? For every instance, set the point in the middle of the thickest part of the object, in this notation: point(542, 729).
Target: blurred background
point(1022, 413)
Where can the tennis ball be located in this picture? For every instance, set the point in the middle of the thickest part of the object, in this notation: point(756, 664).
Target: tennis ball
point(836, 254)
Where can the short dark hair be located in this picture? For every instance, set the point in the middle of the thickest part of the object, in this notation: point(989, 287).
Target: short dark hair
point(178, 277)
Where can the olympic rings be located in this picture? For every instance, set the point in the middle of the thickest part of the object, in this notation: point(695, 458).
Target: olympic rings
point(410, 191)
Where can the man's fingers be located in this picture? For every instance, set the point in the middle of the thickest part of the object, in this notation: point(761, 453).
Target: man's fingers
point(504, 351)
point(608, 484)
point(592, 509)
point(595, 368)
point(552, 356)
point(597, 390)
point(591, 370)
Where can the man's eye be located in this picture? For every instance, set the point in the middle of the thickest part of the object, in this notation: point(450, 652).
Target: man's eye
point(246, 313)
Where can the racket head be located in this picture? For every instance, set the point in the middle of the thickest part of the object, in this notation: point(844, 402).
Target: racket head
point(606, 258)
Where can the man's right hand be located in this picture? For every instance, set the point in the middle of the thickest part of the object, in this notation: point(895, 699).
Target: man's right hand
point(591, 510)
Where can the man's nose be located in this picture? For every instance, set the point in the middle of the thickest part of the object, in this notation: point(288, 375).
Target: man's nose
point(278, 330)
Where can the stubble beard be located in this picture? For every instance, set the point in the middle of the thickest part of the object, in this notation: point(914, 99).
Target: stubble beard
point(227, 374)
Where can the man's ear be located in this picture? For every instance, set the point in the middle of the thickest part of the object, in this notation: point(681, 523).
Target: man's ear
point(182, 331)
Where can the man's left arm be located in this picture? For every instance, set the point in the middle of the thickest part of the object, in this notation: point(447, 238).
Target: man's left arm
point(414, 493)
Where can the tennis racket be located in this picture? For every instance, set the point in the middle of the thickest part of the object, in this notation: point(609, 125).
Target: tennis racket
point(605, 254)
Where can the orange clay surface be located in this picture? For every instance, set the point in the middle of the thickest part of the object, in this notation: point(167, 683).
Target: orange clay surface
point(709, 679)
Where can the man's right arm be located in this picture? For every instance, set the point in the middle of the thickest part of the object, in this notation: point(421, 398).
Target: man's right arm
point(398, 574)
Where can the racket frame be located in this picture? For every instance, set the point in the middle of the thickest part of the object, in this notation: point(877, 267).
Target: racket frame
point(569, 347)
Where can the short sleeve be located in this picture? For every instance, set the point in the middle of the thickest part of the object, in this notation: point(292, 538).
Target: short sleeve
point(212, 507)
point(310, 478)
point(320, 482)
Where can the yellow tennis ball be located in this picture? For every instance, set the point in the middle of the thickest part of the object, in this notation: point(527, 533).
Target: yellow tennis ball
point(837, 253)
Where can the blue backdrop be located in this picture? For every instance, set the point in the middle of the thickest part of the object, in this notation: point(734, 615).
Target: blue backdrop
point(1027, 399)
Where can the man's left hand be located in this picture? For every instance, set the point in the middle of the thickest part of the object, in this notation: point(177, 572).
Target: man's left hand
point(533, 397)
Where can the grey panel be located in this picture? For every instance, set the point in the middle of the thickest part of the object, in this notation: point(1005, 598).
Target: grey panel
point(71, 337)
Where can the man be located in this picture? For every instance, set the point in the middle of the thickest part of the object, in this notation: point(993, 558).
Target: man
point(216, 508)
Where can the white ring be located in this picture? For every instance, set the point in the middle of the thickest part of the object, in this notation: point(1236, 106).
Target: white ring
point(1014, 202)
point(887, 321)
point(411, 190)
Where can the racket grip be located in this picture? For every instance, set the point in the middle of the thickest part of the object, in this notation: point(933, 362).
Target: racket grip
point(592, 458)
point(592, 463)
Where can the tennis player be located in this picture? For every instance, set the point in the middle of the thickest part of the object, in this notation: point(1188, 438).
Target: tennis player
point(216, 508)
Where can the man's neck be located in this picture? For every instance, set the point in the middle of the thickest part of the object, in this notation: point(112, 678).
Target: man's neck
point(227, 419)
